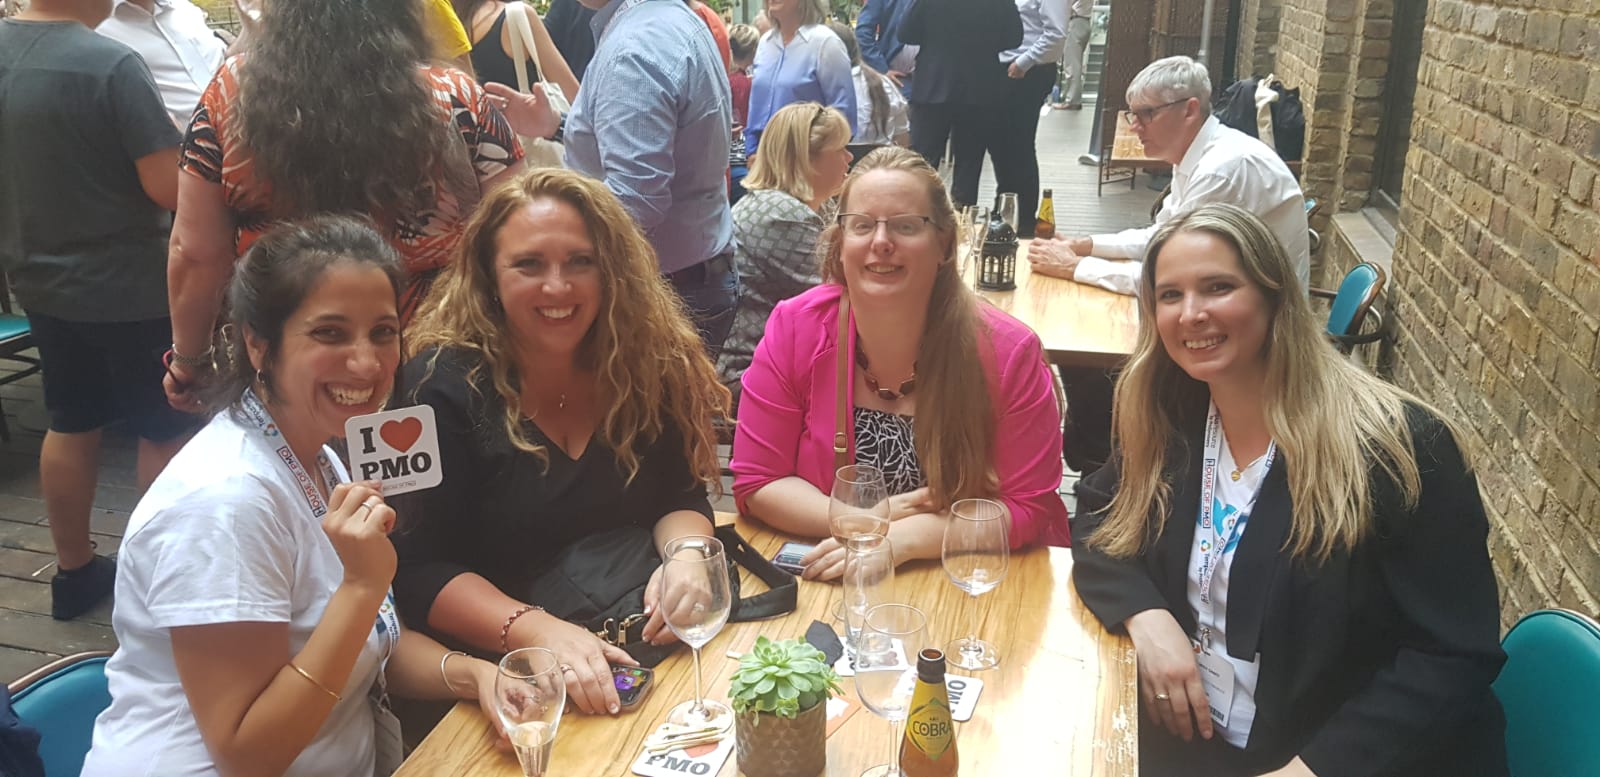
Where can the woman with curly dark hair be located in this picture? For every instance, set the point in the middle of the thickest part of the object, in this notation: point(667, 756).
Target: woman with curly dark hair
point(333, 109)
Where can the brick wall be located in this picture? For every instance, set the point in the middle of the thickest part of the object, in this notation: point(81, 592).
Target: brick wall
point(1258, 39)
point(1498, 287)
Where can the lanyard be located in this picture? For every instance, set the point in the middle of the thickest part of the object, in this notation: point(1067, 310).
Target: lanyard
point(388, 624)
point(1219, 538)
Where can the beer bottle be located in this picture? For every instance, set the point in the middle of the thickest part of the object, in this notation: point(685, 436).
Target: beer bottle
point(1044, 227)
point(929, 748)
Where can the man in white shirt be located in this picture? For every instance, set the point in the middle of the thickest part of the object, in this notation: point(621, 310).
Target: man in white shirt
point(1170, 111)
point(174, 41)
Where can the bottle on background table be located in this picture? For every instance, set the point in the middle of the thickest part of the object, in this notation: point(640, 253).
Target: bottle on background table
point(1044, 227)
point(929, 746)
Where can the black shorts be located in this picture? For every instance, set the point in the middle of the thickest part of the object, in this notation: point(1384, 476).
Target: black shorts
point(96, 373)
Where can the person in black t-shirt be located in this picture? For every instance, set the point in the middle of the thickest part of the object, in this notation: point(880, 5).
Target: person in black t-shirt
point(572, 397)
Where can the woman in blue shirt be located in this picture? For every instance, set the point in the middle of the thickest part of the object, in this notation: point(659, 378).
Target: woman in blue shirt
point(799, 60)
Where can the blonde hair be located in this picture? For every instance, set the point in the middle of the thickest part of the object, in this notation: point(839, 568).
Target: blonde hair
point(1330, 419)
point(954, 445)
point(794, 136)
point(651, 367)
point(811, 12)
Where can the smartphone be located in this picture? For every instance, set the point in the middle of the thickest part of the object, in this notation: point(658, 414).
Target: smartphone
point(633, 683)
point(788, 558)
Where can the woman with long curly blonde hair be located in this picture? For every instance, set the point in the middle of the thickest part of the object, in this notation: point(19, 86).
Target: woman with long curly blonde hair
point(1297, 549)
point(573, 401)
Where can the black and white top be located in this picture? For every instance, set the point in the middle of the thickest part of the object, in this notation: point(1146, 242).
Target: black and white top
point(888, 441)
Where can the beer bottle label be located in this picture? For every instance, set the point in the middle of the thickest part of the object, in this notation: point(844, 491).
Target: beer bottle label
point(929, 728)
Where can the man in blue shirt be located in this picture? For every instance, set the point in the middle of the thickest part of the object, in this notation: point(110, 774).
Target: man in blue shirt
point(878, 32)
point(653, 121)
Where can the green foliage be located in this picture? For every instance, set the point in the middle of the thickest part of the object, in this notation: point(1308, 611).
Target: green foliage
point(784, 678)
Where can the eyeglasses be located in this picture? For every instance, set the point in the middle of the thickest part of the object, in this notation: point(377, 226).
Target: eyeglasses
point(1144, 115)
point(903, 225)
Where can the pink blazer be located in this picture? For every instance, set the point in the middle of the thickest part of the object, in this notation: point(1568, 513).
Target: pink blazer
point(786, 413)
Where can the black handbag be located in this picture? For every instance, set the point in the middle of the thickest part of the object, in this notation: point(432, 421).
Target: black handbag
point(598, 583)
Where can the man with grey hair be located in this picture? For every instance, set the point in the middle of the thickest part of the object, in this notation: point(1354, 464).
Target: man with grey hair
point(1170, 110)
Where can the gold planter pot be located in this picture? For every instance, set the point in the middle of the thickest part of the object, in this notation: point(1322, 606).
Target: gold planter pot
point(770, 746)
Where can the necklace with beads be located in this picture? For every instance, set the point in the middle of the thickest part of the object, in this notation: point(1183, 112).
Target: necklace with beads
point(906, 386)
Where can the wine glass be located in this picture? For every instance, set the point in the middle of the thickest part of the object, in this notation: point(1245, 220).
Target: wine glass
point(979, 228)
point(886, 669)
point(976, 552)
point(858, 504)
point(530, 694)
point(868, 580)
point(695, 601)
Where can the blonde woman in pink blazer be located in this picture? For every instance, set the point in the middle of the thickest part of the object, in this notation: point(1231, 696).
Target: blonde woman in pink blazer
point(950, 397)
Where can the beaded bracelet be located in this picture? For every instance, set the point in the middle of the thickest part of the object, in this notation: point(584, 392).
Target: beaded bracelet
point(505, 631)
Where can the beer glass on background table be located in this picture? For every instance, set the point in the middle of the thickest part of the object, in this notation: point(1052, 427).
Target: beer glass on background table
point(695, 602)
point(886, 670)
point(976, 553)
point(858, 504)
point(530, 694)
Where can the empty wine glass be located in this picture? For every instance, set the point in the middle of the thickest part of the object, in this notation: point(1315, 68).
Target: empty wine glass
point(886, 669)
point(530, 694)
point(695, 601)
point(868, 580)
point(976, 552)
point(979, 228)
point(858, 504)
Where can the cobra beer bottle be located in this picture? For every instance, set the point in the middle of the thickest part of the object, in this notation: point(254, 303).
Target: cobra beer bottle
point(929, 748)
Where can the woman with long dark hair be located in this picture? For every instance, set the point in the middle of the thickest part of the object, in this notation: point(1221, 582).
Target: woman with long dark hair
point(333, 109)
point(881, 111)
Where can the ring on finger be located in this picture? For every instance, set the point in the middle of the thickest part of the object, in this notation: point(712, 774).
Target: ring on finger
point(566, 668)
point(1163, 697)
point(367, 505)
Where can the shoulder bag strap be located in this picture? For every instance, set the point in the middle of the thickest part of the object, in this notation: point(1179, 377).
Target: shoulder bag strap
point(783, 588)
point(841, 416)
point(521, 35)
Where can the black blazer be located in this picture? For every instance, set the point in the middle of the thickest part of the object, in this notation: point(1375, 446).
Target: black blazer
point(961, 40)
point(1377, 662)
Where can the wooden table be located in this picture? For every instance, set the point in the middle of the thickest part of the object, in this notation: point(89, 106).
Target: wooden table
point(1080, 325)
point(1063, 695)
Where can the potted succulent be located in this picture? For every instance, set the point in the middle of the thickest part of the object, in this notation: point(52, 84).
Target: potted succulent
point(780, 702)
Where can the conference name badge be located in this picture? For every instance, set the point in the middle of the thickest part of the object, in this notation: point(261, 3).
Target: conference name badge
point(398, 448)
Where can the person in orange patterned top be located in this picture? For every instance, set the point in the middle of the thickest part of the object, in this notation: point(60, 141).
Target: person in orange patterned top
point(331, 110)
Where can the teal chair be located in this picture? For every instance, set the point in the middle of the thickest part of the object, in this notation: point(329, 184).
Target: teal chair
point(16, 336)
point(1351, 307)
point(1550, 689)
point(61, 700)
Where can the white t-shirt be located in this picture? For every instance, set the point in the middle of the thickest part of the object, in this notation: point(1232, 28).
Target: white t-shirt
point(1231, 497)
point(223, 536)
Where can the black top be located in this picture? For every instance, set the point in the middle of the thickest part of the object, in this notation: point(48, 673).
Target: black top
point(1376, 662)
point(499, 512)
point(568, 23)
point(961, 40)
point(78, 235)
point(491, 61)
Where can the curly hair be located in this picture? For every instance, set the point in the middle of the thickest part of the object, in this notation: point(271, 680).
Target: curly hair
point(336, 114)
point(647, 356)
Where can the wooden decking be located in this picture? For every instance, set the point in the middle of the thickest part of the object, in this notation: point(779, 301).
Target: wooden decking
point(29, 638)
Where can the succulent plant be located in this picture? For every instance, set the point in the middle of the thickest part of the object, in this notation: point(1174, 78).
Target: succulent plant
point(784, 678)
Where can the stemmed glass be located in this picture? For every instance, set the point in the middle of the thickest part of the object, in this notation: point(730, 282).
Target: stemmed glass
point(976, 552)
point(858, 504)
point(530, 694)
point(886, 669)
point(868, 580)
point(695, 601)
point(979, 229)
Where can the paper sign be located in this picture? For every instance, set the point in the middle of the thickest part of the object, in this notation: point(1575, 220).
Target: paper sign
point(963, 692)
point(699, 759)
point(399, 448)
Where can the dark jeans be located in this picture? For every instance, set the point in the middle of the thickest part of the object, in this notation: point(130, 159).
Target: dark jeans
point(1012, 142)
point(711, 291)
point(1086, 441)
point(964, 126)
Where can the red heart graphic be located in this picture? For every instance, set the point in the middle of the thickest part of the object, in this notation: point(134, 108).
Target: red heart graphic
point(699, 751)
point(401, 434)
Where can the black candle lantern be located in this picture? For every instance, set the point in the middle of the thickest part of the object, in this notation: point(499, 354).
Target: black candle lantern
point(997, 267)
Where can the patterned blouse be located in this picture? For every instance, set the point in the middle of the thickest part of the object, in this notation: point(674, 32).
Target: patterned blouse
point(888, 441)
point(425, 238)
point(776, 250)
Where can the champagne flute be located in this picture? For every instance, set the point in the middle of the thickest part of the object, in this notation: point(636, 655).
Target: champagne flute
point(980, 228)
point(858, 504)
point(695, 601)
point(530, 694)
point(868, 580)
point(886, 669)
point(976, 552)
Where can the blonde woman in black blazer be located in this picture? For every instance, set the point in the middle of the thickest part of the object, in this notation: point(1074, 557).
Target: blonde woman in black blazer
point(1338, 609)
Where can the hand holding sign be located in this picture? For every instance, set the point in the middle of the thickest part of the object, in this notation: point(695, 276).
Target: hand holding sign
point(399, 448)
point(358, 525)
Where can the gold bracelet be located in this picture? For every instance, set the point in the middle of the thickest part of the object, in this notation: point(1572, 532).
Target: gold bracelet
point(446, 677)
point(303, 673)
